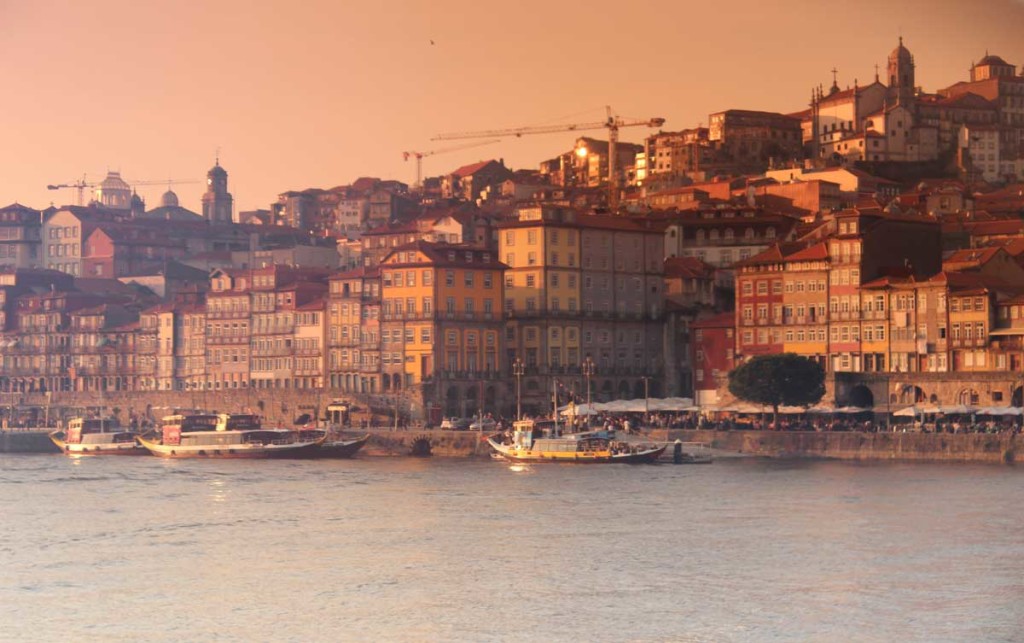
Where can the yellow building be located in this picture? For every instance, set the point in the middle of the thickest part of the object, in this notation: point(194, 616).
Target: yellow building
point(580, 286)
point(441, 327)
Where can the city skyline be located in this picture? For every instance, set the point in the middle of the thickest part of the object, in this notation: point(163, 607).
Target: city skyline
point(139, 89)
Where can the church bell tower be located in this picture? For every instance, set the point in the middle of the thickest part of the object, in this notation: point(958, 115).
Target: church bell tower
point(217, 202)
point(901, 75)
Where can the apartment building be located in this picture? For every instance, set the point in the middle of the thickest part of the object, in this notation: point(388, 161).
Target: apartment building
point(441, 326)
point(581, 286)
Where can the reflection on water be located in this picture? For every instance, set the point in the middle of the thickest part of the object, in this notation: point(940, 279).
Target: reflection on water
point(218, 490)
point(420, 549)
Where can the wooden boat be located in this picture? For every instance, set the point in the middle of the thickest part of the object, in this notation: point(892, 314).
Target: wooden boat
point(97, 436)
point(541, 441)
point(335, 448)
point(342, 448)
point(223, 435)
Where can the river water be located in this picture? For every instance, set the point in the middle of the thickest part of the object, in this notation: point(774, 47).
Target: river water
point(382, 549)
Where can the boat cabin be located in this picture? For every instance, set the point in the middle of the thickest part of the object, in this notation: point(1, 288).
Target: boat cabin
point(92, 430)
point(176, 425)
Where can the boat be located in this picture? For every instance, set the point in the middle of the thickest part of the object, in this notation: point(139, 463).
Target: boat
point(337, 448)
point(96, 436)
point(224, 435)
point(542, 441)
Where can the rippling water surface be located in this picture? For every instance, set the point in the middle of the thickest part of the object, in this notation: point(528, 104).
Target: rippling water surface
point(127, 549)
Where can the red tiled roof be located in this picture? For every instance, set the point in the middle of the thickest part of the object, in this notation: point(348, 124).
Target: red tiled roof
point(443, 254)
point(978, 256)
point(471, 169)
point(817, 252)
point(996, 227)
point(688, 268)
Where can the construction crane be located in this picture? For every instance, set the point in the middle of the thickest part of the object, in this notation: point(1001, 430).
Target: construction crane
point(419, 155)
point(82, 184)
point(612, 123)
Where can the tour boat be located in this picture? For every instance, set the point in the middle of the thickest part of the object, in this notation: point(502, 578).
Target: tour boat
point(223, 435)
point(96, 436)
point(541, 441)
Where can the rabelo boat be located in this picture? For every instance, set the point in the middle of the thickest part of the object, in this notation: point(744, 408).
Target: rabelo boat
point(223, 435)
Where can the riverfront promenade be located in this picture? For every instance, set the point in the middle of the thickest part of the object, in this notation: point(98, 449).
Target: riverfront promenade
point(893, 446)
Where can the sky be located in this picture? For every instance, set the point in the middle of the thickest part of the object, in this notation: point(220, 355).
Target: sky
point(316, 93)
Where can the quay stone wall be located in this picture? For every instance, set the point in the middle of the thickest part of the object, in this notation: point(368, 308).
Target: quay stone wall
point(849, 445)
point(277, 406)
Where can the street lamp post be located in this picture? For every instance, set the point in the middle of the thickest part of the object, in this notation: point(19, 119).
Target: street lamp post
point(518, 368)
point(647, 410)
point(588, 372)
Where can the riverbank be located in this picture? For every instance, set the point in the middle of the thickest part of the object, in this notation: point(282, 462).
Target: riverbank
point(925, 447)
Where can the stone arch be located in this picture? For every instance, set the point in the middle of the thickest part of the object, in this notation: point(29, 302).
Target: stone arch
point(607, 389)
point(912, 394)
point(396, 381)
point(861, 396)
point(933, 399)
point(1017, 396)
point(623, 390)
point(968, 397)
point(638, 389)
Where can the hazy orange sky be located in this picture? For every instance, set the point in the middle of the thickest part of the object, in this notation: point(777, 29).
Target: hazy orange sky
point(316, 93)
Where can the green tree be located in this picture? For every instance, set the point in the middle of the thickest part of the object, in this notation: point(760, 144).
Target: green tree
point(776, 380)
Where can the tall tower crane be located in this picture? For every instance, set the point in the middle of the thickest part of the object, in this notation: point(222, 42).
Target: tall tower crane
point(612, 123)
point(419, 155)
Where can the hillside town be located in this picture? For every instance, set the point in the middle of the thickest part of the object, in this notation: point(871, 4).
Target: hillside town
point(878, 230)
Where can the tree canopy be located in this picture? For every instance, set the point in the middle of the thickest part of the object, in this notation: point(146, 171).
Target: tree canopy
point(776, 380)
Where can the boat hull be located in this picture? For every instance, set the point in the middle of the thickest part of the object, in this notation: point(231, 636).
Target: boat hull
point(234, 451)
point(99, 448)
point(587, 457)
point(342, 448)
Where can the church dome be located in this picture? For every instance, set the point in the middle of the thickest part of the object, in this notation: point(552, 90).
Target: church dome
point(114, 182)
point(169, 199)
point(217, 170)
point(114, 192)
point(993, 60)
point(901, 53)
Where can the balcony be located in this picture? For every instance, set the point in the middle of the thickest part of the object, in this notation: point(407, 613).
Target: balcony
point(273, 352)
point(227, 314)
point(469, 375)
point(216, 340)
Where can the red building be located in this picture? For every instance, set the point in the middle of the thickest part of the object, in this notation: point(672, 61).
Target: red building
point(759, 302)
point(114, 250)
point(713, 356)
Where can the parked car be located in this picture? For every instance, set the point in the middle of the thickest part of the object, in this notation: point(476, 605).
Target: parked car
point(486, 424)
point(455, 424)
